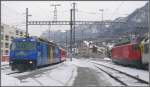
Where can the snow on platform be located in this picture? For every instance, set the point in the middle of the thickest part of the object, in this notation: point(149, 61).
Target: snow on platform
point(142, 74)
point(8, 80)
point(4, 63)
point(106, 58)
point(64, 75)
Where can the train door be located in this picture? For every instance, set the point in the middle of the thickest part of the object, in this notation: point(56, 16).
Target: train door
point(145, 52)
point(58, 55)
point(44, 54)
point(51, 55)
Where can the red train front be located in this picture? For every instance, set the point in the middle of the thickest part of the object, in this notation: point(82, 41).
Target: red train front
point(128, 54)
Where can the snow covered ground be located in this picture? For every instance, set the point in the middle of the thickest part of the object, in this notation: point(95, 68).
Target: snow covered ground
point(142, 74)
point(57, 75)
point(4, 63)
point(64, 74)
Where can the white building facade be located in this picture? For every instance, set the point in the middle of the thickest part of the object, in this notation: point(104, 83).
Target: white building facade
point(8, 33)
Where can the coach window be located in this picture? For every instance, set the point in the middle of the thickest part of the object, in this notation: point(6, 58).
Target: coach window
point(6, 45)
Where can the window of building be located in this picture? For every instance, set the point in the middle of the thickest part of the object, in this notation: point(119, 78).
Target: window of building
point(17, 32)
point(2, 28)
point(1, 44)
point(21, 34)
point(7, 37)
point(1, 37)
point(1, 52)
point(6, 45)
point(12, 37)
point(6, 52)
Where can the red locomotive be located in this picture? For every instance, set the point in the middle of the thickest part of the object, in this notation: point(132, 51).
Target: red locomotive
point(132, 54)
point(128, 54)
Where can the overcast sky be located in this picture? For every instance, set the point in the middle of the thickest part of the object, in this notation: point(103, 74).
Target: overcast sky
point(13, 12)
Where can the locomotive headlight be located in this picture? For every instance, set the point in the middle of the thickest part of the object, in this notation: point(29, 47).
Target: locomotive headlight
point(32, 40)
point(11, 62)
point(30, 62)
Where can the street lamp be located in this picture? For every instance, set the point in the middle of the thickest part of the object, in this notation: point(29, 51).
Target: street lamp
point(102, 18)
point(66, 39)
point(102, 13)
point(27, 15)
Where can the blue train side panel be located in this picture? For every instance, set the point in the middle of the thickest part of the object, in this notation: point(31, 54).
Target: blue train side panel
point(42, 58)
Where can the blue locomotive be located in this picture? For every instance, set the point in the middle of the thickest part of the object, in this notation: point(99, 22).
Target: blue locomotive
point(33, 52)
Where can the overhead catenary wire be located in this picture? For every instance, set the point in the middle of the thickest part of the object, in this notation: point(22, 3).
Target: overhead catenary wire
point(117, 9)
point(44, 12)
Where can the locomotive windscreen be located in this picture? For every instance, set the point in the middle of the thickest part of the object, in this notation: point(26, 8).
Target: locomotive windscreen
point(23, 46)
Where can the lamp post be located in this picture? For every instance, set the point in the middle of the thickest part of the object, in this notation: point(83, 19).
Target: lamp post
point(102, 10)
point(66, 39)
point(27, 35)
point(101, 18)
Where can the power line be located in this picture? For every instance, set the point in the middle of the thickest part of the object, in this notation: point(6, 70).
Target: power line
point(116, 10)
point(43, 12)
point(87, 12)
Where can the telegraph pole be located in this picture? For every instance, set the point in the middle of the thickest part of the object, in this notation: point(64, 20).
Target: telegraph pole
point(55, 11)
point(101, 17)
point(82, 37)
point(54, 37)
point(71, 34)
point(66, 39)
point(27, 22)
point(27, 15)
point(74, 45)
point(74, 23)
point(102, 10)
point(55, 15)
point(49, 31)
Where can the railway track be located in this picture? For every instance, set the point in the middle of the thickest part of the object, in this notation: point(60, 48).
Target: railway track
point(13, 73)
point(121, 77)
point(4, 67)
point(28, 72)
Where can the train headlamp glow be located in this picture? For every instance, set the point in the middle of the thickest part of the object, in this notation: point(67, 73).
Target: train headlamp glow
point(23, 40)
point(11, 61)
point(30, 62)
point(32, 40)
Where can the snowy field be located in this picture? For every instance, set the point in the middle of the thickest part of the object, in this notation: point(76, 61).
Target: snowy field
point(63, 74)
